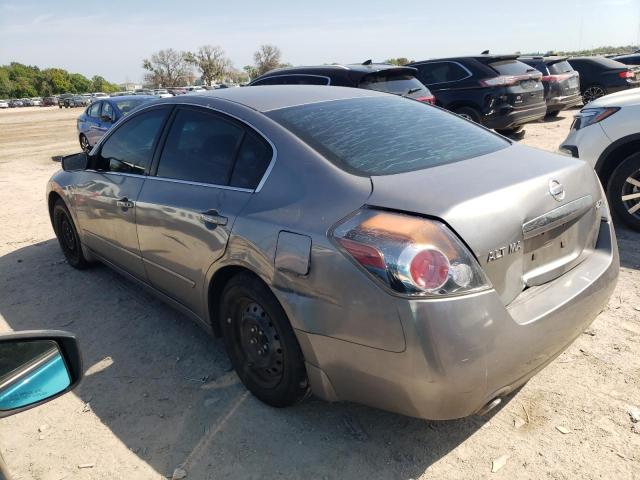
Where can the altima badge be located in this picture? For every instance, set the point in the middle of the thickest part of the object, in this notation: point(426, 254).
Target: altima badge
point(502, 251)
point(556, 189)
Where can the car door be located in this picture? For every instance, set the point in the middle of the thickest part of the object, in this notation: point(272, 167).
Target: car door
point(92, 118)
point(106, 193)
point(208, 169)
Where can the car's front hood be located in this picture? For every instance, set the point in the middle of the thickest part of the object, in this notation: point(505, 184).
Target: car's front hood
point(490, 200)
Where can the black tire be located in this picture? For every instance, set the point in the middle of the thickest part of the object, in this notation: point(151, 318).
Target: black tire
point(553, 114)
point(260, 342)
point(468, 113)
point(68, 236)
point(84, 143)
point(510, 131)
point(592, 92)
point(625, 182)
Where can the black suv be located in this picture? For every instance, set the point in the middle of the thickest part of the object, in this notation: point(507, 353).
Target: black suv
point(497, 91)
point(600, 76)
point(373, 76)
point(561, 82)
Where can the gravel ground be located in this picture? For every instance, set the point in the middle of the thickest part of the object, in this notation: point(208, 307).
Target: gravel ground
point(159, 394)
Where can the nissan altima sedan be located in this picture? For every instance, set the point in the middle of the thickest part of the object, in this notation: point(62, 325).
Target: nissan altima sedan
point(351, 243)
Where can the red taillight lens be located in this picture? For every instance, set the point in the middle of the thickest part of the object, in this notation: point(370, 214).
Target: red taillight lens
point(429, 269)
point(626, 74)
point(409, 254)
point(431, 100)
point(366, 255)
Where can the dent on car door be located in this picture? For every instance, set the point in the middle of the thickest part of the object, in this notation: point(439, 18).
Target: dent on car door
point(106, 193)
point(206, 173)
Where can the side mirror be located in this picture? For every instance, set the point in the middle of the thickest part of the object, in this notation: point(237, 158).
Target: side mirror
point(77, 161)
point(106, 119)
point(35, 367)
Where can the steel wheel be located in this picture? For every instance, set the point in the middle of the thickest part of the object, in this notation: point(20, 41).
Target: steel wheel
point(591, 93)
point(68, 237)
point(84, 143)
point(630, 194)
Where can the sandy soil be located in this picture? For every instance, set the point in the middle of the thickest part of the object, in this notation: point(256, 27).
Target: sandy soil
point(159, 394)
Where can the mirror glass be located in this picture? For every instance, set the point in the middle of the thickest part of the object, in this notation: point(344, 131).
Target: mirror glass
point(30, 371)
point(77, 161)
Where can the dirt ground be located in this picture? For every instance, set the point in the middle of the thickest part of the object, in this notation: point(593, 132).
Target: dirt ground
point(159, 394)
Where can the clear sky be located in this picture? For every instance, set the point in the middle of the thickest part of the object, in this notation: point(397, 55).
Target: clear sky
point(110, 38)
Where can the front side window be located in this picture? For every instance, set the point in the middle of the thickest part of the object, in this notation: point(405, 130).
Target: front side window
point(130, 148)
point(201, 147)
point(107, 111)
point(386, 135)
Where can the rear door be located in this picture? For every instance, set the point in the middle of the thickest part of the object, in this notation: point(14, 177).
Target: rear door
point(92, 118)
point(106, 194)
point(523, 82)
point(208, 169)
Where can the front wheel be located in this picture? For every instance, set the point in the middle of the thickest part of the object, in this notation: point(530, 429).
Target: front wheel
point(623, 191)
point(84, 143)
point(260, 342)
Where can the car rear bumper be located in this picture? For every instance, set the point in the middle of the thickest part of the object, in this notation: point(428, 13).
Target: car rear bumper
point(555, 104)
point(510, 117)
point(463, 352)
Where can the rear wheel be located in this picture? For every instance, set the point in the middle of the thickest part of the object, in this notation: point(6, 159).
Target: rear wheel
point(68, 236)
point(623, 191)
point(84, 143)
point(592, 92)
point(260, 342)
point(468, 113)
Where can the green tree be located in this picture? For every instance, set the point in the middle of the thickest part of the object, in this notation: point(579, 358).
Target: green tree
point(6, 86)
point(79, 83)
point(398, 61)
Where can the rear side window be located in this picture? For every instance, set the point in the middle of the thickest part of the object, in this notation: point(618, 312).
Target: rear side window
point(511, 67)
point(94, 110)
point(386, 135)
point(560, 67)
point(130, 148)
point(253, 159)
point(441, 72)
point(201, 147)
point(398, 83)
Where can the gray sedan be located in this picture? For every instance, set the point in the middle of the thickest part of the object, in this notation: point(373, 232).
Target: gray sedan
point(350, 243)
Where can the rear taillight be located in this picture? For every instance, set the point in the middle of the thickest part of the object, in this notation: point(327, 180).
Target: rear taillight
point(626, 74)
point(409, 255)
point(431, 99)
point(507, 80)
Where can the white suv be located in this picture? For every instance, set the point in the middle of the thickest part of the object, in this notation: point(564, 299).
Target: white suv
point(606, 133)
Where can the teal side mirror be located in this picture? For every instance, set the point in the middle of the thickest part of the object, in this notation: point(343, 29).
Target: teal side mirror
point(36, 367)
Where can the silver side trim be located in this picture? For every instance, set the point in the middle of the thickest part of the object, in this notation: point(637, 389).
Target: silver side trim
point(557, 216)
point(200, 184)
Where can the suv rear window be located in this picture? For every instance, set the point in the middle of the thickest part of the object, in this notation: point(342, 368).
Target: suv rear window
point(386, 135)
point(511, 67)
point(560, 67)
point(398, 83)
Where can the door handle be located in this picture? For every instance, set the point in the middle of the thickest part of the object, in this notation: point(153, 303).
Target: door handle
point(213, 217)
point(124, 203)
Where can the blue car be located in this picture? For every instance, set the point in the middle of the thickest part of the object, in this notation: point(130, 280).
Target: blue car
point(102, 114)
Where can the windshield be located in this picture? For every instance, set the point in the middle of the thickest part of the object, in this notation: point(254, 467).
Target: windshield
point(386, 135)
point(127, 104)
point(398, 83)
point(511, 67)
point(560, 67)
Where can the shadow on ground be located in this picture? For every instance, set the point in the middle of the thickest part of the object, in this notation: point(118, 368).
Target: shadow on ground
point(166, 390)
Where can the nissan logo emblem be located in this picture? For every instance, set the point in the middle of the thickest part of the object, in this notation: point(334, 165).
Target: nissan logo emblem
point(556, 189)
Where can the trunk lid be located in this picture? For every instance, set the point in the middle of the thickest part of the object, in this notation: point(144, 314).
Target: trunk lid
point(502, 207)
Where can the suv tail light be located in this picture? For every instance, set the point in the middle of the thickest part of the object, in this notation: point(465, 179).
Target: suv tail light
point(409, 255)
point(626, 74)
point(430, 99)
point(507, 80)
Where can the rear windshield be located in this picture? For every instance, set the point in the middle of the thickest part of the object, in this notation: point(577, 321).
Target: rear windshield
point(560, 67)
point(511, 67)
point(128, 104)
point(386, 135)
point(398, 83)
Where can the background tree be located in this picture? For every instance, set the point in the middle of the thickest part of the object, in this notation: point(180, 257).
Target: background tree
point(167, 68)
point(211, 61)
point(79, 83)
point(266, 58)
point(398, 61)
point(251, 71)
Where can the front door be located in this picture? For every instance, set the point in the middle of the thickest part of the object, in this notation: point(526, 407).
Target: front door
point(107, 193)
point(206, 174)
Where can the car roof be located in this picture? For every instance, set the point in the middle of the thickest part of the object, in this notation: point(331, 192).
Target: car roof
point(274, 97)
point(544, 58)
point(486, 58)
point(352, 67)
